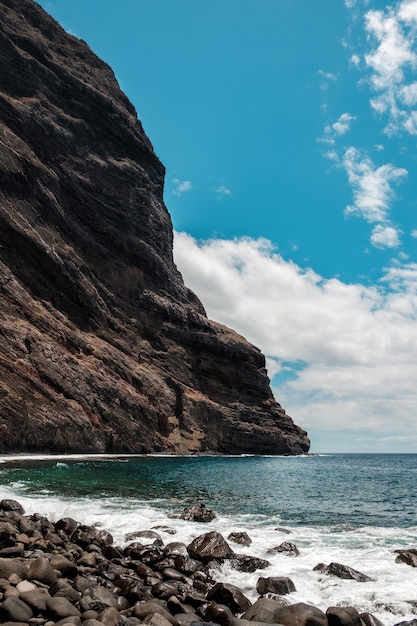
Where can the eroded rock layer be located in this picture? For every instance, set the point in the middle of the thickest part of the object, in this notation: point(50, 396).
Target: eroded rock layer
point(102, 346)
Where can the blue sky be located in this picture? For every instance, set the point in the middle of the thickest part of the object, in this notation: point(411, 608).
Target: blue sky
point(288, 129)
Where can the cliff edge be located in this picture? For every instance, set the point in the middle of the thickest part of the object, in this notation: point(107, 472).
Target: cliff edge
point(102, 346)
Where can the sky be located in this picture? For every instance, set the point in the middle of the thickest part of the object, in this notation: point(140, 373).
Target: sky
point(288, 130)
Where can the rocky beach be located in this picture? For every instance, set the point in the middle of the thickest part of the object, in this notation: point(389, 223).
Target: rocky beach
point(54, 574)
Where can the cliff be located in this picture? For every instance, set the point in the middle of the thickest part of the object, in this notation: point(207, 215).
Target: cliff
point(102, 346)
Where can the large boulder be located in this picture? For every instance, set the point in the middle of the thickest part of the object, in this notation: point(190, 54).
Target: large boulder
point(210, 546)
point(342, 571)
point(280, 585)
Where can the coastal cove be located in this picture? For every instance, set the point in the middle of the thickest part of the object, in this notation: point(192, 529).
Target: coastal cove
point(345, 508)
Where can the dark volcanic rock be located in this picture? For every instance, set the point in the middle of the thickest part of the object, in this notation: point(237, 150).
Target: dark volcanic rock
point(342, 571)
point(102, 347)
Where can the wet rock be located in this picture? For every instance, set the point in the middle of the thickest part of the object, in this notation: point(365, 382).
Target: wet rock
point(210, 546)
point(370, 620)
point(11, 505)
point(280, 585)
point(230, 596)
point(142, 610)
point(156, 619)
point(263, 610)
point(175, 548)
point(67, 568)
point(241, 538)
point(36, 599)
point(109, 616)
point(67, 524)
point(341, 571)
point(85, 536)
point(218, 613)
point(60, 608)
point(247, 563)
point(283, 530)
point(8, 567)
point(186, 619)
point(300, 614)
point(197, 513)
point(150, 535)
point(343, 616)
point(408, 556)
point(42, 571)
point(97, 598)
point(15, 610)
point(286, 547)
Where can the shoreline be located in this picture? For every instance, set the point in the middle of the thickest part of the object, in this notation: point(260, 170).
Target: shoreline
point(167, 574)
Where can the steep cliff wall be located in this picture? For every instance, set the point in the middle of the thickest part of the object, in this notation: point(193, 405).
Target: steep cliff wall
point(102, 346)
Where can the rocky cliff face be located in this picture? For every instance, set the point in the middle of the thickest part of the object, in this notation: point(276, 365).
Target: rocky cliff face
point(102, 347)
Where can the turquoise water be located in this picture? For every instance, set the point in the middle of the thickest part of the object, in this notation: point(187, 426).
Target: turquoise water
point(353, 490)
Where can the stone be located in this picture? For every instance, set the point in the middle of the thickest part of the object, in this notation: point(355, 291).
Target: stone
point(15, 610)
point(11, 505)
point(341, 571)
point(41, 570)
point(286, 547)
point(280, 585)
point(97, 598)
point(67, 568)
point(210, 547)
point(247, 563)
point(230, 596)
point(89, 282)
point(218, 613)
point(263, 610)
point(36, 599)
point(370, 620)
point(109, 616)
point(8, 567)
point(343, 616)
point(60, 608)
point(300, 614)
point(241, 538)
point(198, 513)
point(67, 524)
point(175, 548)
point(157, 619)
point(150, 535)
point(144, 609)
point(409, 557)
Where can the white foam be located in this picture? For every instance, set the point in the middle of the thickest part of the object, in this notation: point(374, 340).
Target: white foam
point(369, 550)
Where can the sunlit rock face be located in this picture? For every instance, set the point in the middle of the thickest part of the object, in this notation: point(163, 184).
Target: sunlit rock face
point(102, 346)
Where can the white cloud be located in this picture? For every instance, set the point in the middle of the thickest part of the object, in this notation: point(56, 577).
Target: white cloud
point(342, 126)
point(358, 343)
point(414, 233)
point(393, 34)
point(223, 191)
point(385, 236)
point(181, 186)
point(327, 75)
point(371, 185)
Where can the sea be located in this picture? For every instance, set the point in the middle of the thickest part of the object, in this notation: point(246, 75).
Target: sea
point(353, 509)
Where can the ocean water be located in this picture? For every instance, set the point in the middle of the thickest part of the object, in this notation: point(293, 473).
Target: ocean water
point(346, 508)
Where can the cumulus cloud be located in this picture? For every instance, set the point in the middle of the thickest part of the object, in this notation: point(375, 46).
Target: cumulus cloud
point(373, 194)
point(181, 186)
point(351, 348)
point(385, 236)
point(391, 59)
point(342, 126)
